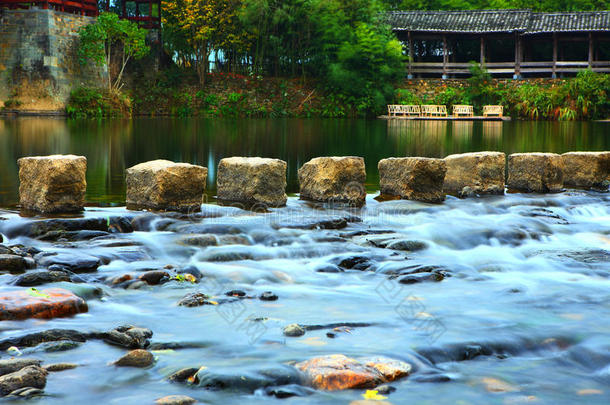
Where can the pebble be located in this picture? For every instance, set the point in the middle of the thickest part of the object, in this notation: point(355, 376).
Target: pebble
point(294, 330)
point(136, 358)
point(268, 296)
point(175, 400)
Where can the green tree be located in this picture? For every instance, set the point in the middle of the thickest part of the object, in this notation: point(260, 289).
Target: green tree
point(112, 43)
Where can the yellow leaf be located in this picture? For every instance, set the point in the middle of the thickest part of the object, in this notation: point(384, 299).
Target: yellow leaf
point(213, 302)
point(374, 395)
point(590, 391)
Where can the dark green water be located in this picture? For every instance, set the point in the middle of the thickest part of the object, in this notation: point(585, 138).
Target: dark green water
point(111, 146)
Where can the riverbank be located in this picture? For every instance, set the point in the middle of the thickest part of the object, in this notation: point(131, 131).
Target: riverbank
point(175, 93)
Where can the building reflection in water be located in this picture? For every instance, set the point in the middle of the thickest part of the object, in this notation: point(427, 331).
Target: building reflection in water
point(492, 129)
point(418, 137)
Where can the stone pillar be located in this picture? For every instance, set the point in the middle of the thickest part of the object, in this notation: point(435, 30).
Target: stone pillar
point(52, 184)
point(163, 185)
point(413, 178)
point(252, 181)
point(334, 179)
point(477, 173)
point(535, 172)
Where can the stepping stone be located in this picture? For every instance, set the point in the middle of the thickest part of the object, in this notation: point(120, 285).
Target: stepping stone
point(52, 184)
point(252, 181)
point(413, 178)
point(535, 172)
point(478, 173)
point(161, 185)
point(334, 179)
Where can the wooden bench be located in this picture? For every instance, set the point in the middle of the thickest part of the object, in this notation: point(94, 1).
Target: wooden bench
point(465, 110)
point(403, 110)
point(433, 111)
point(492, 110)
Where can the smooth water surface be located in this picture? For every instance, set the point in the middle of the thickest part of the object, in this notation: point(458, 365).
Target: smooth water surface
point(111, 146)
point(521, 316)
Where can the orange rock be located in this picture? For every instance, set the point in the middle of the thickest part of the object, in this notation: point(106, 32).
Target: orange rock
point(338, 372)
point(44, 304)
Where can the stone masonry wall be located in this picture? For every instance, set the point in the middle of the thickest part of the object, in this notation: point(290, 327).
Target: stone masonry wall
point(39, 46)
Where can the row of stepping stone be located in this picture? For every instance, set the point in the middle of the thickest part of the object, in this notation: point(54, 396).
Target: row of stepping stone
point(57, 183)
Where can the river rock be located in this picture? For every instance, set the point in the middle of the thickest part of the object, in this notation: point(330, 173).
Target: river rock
point(294, 330)
point(128, 336)
point(10, 263)
point(535, 172)
point(39, 277)
point(30, 376)
point(176, 400)
point(252, 181)
point(51, 184)
point(413, 178)
point(8, 366)
point(155, 277)
point(475, 173)
point(56, 367)
point(165, 186)
point(334, 179)
point(586, 169)
point(338, 372)
point(37, 338)
point(136, 358)
point(44, 304)
point(75, 262)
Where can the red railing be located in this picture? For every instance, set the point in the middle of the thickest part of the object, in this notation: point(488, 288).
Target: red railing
point(82, 7)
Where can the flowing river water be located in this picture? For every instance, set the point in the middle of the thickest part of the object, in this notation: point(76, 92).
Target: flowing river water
point(494, 300)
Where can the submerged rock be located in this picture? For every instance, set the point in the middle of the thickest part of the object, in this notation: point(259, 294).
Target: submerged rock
point(35, 278)
point(246, 380)
point(175, 400)
point(475, 173)
point(586, 169)
point(136, 358)
point(51, 335)
point(165, 185)
point(413, 178)
point(155, 277)
point(287, 391)
point(338, 372)
point(75, 262)
point(57, 367)
point(54, 183)
point(183, 375)
point(535, 172)
point(294, 330)
point(10, 263)
point(194, 300)
point(252, 181)
point(44, 304)
point(334, 179)
point(30, 376)
point(130, 337)
point(8, 366)
point(268, 296)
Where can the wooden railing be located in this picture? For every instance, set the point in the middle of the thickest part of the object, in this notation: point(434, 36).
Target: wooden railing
point(510, 67)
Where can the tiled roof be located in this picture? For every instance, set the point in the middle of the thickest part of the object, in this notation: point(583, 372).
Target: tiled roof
point(490, 21)
point(569, 22)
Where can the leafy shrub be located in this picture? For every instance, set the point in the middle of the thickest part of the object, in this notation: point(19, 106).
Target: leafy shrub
point(86, 102)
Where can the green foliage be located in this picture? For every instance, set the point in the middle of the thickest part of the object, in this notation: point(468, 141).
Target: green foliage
point(406, 97)
point(111, 43)
point(85, 102)
point(450, 97)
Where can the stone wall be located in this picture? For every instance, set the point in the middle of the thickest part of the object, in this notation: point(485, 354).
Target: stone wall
point(39, 47)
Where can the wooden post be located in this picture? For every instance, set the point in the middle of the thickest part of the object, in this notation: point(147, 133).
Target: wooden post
point(445, 56)
point(590, 60)
point(482, 50)
point(410, 72)
point(517, 74)
point(554, 74)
